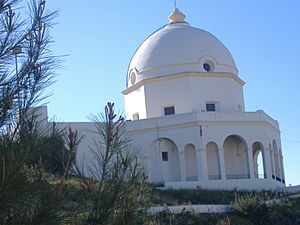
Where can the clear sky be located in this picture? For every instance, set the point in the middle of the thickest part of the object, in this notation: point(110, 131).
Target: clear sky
point(100, 38)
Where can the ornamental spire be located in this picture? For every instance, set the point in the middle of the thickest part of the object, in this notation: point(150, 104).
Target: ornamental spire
point(177, 17)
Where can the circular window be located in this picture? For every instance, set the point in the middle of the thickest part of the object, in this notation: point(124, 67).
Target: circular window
point(132, 78)
point(206, 67)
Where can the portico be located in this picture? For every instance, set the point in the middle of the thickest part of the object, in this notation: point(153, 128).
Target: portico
point(203, 149)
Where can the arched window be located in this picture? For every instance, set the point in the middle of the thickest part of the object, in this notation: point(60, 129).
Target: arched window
point(190, 162)
point(163, 161)
point(259, 160)
point(236, 158)
point(213, 163)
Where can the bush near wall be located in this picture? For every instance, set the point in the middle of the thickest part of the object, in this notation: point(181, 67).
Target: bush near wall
point(201, 196)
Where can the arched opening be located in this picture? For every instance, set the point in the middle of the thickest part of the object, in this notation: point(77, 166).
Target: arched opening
point(163, 161)
point(236, 158)
point(259, 161)
point(190, 162)
point(276, 161)
point(213, 163)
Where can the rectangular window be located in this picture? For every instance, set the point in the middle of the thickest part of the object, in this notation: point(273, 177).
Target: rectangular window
point(240, 108)
point(136, 116)
point(164, 156)
point(169, 110)
point(210, 107)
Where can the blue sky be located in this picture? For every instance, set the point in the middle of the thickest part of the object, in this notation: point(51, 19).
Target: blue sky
point(100, 38)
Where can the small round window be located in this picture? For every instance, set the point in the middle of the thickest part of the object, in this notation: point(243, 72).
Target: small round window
point(206, 67)
point(132, 78)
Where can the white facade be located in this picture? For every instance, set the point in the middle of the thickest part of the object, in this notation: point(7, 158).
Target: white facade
point(207, 139)
point(186, 114)
point(211, 150)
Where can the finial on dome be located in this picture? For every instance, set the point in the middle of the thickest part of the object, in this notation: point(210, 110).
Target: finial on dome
point(177, 17)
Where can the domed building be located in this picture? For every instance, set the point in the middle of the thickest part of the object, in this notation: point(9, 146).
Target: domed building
point(185, 108)
point(185, 112)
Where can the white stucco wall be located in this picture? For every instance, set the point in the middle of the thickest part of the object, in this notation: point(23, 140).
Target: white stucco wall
point(180, 136)
point(87, 146)
point(163, 171)
point(238, 184)
point(187, 92)
point(184, 129)
point(135, 103)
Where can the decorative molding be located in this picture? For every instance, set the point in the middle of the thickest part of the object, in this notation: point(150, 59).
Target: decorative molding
point(143, 82)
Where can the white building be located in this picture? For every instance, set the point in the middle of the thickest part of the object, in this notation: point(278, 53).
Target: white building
point(185, 106)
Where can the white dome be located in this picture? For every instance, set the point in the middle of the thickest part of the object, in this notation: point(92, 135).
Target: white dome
point(177, 48)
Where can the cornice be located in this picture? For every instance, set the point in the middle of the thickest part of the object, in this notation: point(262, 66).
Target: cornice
point(181, 75)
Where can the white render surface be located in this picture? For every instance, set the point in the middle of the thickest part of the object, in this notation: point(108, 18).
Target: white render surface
point(231, 166)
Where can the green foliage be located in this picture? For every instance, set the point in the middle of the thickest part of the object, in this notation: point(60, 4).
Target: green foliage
point(118, 190)
point(184, 218)
point(286, 213)
point(25, 189)
point(26, 197)
point(189, 218)
point(42, 206)
point(26, 69)
point(57, 151)
point(26, 62)
point(252, 207)
point(199, 196)
point(224, 221)
point(236, 220)
point(82, 200)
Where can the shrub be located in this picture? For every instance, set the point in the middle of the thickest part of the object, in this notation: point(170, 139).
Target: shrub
point(286, 213)
point(252, 207)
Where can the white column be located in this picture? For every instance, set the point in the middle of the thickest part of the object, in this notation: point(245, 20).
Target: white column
point(280, 165)
point(276, 164)
point(268, 164)
point(282, 168)
point(182, 166)
point(156, 171)
point(273, 164)
point(199, 164)
point(222, 163)
point(250, 162)
point(204, 164)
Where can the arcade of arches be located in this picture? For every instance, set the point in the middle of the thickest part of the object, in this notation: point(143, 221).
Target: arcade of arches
point(235, 159)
